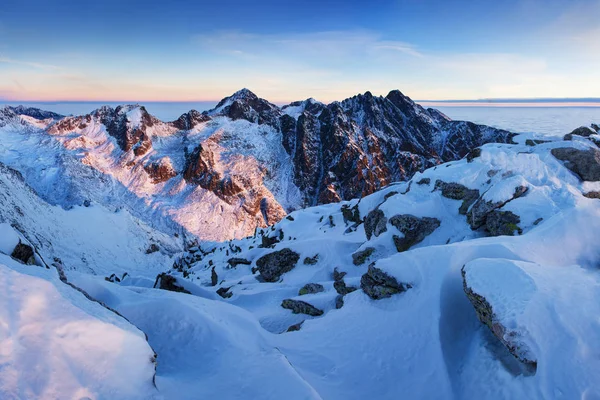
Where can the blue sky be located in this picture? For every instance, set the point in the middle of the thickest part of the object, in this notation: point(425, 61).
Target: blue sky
point(287, 50)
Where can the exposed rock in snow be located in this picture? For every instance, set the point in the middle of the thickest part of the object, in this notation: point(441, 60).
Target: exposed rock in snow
point(379, 285)
point(311, 288)
point(414, 229)
point(584, 163)
point(301, 307)
point(271, 266)
point(375, 223)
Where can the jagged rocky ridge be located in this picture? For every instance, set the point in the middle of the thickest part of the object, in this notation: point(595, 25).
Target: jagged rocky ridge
point(247, 162)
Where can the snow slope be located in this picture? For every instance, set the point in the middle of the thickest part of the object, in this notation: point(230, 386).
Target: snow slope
point(55, 343)
point(90, 239)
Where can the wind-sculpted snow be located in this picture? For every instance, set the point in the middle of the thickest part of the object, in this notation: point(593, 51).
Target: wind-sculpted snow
point(245, 164)
point(57, 344)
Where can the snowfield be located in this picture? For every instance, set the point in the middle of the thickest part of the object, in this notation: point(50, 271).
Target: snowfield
point(56, 344)
point(478, 278)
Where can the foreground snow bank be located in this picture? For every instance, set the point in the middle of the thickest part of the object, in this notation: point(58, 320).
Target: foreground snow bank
point(55, 343)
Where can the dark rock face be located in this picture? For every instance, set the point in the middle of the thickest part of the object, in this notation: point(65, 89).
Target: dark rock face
point(129, 136)
point(414, 229)
point(271, 266)
point(301, 307)
point(352, 148)
point(502, 223)
point(584, 163)
point(379, 285)
point(168, 282)
point(360, 257)
point(246, 105)
point(23, 253)
point(486, 315)
point(456, 191)
point(200, 169)
point(375, 223)
point(235, 261)
point(311, 288)
point(161, 170)
point(189, 120)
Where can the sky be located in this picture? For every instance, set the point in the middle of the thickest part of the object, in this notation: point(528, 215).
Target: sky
point(195, 50)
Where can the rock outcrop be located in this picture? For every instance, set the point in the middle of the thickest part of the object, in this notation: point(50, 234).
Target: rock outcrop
point(271, 266)
point(375, 223)
point(169, 282)
point(378, 285)
point(414, 229)
point(311, 288)
point(584, 163)
point(301, 307)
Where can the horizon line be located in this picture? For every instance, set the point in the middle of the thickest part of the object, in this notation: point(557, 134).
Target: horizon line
point(505, 101)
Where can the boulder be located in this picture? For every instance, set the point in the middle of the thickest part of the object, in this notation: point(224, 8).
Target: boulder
point(23, 253)
point(295, 327)
point(153, 248)
point(583, 131)
point(214, 278)
point(168, 282)
point(301, 307)
point(235, 261)
point(592, 195)
point(456, 191)
point(224, 292)
point(482, 208)
point(311, 260)
point(509, 338)
point(311, 288)
point(424, 181)
point(414, 229)
point(375, 223)
point(360, 257)
point(342, 289)
point(378, 285)
point(351, 214)
point(502, 223)
point(271, 266)
point(584, 163)
point(473, 154)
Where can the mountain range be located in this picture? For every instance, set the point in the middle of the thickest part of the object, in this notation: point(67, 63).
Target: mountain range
point(246, 163)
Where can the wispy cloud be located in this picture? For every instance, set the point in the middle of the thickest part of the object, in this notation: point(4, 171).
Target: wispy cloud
point(326, 45)
point(32, 64)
